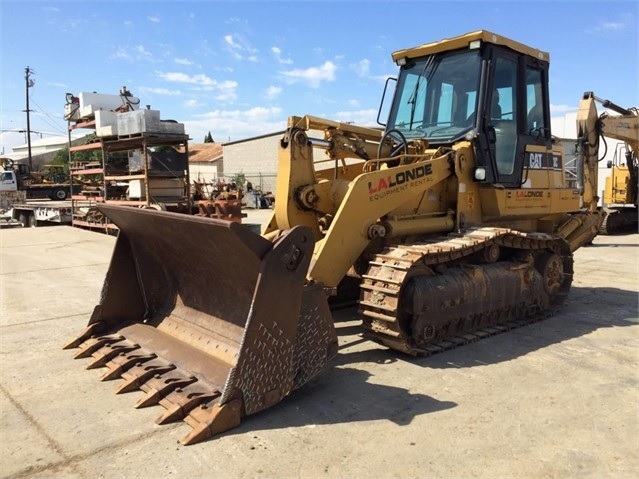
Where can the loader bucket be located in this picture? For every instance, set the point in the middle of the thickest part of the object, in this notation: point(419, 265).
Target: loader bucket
point(207, 318)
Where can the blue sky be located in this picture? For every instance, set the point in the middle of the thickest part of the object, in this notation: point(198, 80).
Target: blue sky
point(239, 69)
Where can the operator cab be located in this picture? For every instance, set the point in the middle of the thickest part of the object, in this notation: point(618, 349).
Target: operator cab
point(481, 87)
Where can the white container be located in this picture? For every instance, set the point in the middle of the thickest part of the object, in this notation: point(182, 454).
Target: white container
point(106, 123)
point(138, 121)
point(171, 128)
point(161, 188)
point(99, 101)
point(71, 111)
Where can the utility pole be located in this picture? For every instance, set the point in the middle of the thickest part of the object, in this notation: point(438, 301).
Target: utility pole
point(29, 83)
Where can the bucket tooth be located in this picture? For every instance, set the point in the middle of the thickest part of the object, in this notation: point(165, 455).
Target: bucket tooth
point(123, 362)
point(91, 345)
point(157, 388)
point(208, 421)
point(139, 374)
point(90, 330)
point(181, 401)
point(104, 355)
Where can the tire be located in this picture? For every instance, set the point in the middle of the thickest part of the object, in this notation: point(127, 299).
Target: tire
point(24, 219)
point(32, 221)
point(59, 194)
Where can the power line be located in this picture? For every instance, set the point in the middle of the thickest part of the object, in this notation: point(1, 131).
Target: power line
point(61, 129)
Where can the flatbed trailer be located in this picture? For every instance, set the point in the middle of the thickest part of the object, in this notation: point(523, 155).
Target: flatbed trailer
point(36, 213)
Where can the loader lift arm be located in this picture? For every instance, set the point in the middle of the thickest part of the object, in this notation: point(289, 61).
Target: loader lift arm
point(359, 206)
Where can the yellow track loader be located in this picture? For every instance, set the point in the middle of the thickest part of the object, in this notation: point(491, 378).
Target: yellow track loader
point(454, 219)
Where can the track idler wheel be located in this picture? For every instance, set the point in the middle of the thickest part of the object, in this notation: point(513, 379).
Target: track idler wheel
point(551, 268)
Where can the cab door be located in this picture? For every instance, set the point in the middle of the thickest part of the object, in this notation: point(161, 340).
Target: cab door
point(8, 181)
point(504, 118)
point(535, 141)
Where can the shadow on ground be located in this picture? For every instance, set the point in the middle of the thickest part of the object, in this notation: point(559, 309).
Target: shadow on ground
point(343, 395)
point(585, 310)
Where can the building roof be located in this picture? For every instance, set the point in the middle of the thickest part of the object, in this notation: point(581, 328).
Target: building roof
point(205, 152)
point(43, 146)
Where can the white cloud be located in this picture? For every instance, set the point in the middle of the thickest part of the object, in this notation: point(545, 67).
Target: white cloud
point(179, 77)
point(273, 91)
point(154, 19)
point(626, 22)
point(183, 61)
point(121, 53)
point(226, 90)
point(611, 26)
point(357, 117)
point(161, 91)
point(142, 51)
point(229, 41)
point(313, 76)
point(136, 53)
point(227, 95)
point(239, 48)
point(363, 67)
point(278, 55)
point(229, 125)
point(191, 103)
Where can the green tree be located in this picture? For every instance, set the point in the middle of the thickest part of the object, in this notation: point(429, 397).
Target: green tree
point(208, 138)
point(239, 179)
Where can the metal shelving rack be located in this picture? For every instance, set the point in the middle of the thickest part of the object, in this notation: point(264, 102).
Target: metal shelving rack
point(105, 194)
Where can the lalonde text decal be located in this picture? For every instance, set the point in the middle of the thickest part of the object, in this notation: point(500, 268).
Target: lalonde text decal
point(399, 182)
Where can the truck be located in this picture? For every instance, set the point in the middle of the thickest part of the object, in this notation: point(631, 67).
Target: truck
point(11, 180)
point(454, 221)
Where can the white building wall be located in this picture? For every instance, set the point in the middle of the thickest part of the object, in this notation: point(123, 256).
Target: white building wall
point(256, 158)
point(205, 172)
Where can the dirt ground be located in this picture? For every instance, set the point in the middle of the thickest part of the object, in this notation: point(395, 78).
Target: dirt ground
point(558, 398)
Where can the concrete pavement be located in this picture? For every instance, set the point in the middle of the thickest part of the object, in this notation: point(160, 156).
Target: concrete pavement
point(559, 398)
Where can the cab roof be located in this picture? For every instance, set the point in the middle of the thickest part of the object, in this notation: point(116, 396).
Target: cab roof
point(463, 41)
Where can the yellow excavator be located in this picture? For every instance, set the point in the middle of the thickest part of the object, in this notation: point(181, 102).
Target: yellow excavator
point(455, 219)
point(621, 188)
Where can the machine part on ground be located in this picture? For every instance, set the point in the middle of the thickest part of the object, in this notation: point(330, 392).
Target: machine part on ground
point(222, 203)
point(458, 219)
point(229, 209)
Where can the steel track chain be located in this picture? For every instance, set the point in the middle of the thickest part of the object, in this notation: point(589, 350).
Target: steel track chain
point(390, 270)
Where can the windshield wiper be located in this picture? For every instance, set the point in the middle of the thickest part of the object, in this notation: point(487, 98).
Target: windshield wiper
point(412, 100)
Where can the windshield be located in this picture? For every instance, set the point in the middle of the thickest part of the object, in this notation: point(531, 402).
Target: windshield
point(436, 96)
